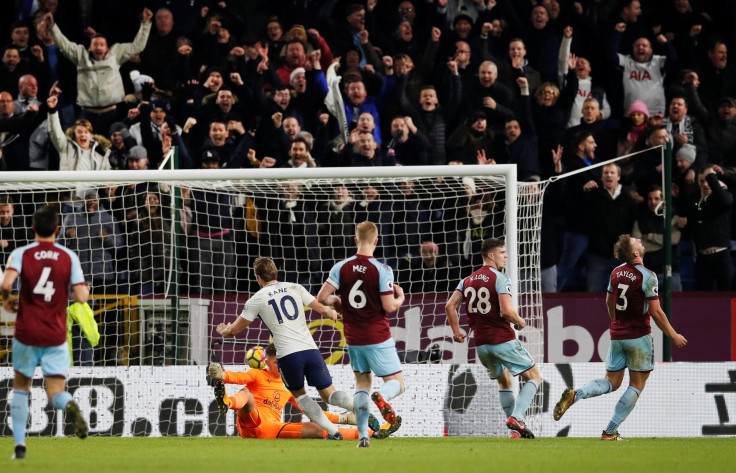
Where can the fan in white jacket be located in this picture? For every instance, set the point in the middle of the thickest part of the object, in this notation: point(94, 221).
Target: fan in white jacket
point(78, 149)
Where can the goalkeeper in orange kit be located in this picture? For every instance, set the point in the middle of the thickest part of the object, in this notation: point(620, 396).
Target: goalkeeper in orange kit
point(260, 403)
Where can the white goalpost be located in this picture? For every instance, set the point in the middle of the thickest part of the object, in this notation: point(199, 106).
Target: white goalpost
point(168, 254)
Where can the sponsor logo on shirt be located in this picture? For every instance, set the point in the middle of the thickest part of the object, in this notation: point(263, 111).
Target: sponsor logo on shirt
point(640, 75)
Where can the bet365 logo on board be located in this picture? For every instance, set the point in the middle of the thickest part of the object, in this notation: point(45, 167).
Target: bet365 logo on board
point(102, 400)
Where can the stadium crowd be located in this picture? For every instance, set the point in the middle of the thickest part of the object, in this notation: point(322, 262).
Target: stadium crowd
point(552, 86)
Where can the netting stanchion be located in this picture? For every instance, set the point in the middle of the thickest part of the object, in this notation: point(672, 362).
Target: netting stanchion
point(178, 246)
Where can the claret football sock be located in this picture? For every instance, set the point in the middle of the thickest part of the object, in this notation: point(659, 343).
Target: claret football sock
point(19, 414)
point(623, 408)
point(362, 402)
point(391, 389)
point(524, 399)
point(508, 401)
point(593, 388)
point(60, 400)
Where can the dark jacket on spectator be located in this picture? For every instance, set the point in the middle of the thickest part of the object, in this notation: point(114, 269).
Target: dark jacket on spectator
point(608, 217)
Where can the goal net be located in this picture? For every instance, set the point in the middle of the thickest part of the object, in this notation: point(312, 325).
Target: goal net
point(168, 255)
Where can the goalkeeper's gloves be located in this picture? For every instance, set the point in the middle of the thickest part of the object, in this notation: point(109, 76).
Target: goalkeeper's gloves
point(215, 371)
point(347, 418)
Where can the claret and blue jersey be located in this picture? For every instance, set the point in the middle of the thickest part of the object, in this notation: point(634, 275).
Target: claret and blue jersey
point(49, 269)
point(632, 287)
point(360, 281)
point(480, 291)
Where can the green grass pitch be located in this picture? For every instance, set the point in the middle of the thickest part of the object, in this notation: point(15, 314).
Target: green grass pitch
point(405, 455)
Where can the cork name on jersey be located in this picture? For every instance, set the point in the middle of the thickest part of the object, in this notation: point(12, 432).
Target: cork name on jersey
point(359, 268)
point(39, 255)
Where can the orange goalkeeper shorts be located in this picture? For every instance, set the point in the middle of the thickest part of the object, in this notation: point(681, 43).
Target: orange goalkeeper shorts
point(253, 426)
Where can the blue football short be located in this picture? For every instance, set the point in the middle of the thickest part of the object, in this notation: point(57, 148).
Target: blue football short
point(307, 363)
point(507, 354)
point(636, 354)
point(380, 358)
point(55, 361)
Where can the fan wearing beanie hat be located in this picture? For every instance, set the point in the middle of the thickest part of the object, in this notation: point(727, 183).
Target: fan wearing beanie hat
point(210, 159)
point(637, 124)
point(138, 79)
point(294, 74)
point(137, 158)
point(687, 152)
point(684, 159)
point(639, 106)
point(121, 142)
point(462, 25)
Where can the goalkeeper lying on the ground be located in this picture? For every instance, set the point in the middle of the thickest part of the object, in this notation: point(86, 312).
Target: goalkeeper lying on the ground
point(260, 403)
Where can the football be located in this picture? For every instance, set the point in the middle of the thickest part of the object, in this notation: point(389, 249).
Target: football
point(256, 357)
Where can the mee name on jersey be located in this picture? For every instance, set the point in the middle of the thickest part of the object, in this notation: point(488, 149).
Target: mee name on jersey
point(480, 291)
point(360, 281)
point(46, 271)
point(280, 306)
point(632, 287)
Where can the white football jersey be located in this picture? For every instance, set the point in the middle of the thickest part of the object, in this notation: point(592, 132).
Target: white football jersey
point(280, 306)
point(644, 81)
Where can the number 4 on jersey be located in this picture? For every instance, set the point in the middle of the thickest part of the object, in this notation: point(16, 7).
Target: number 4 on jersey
point(45, 287)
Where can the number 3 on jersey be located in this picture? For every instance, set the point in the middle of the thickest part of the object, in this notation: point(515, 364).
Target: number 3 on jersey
point(622, 296)
point(481, 303)
point(45, 287)
point(291, 313)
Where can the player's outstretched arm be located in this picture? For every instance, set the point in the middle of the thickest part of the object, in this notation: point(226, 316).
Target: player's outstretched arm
point(327, 312)
point(230, 330)
point(508, 312)
point(215, 371)
point(453, 318)
point(660, 318)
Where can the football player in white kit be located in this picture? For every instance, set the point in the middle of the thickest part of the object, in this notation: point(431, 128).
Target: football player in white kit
point(280, 305)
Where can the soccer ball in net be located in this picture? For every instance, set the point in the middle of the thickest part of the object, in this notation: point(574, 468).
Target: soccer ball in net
point(256, 357)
